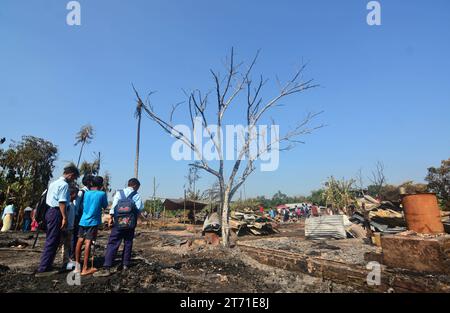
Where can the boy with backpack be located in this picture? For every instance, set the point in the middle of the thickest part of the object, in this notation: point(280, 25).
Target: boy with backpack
point(125, 210)
point(94, 202)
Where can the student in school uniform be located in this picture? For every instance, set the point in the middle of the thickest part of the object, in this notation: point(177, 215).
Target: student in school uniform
point(87, 183)
point(94, 202)
point(118, 234)
point(67, 234)
point(58, 197)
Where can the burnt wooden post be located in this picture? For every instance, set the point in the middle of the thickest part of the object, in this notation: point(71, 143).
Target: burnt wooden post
point(367, 223)
point(184, 208)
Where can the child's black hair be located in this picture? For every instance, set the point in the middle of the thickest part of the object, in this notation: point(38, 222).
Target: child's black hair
point(134, 182)
point(87, 180)
point(73, 189)
point(72, 169)
point(97, 181)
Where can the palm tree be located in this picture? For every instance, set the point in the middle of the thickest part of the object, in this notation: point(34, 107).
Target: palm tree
point(93, 168)
point(137, 115)
point(107, 182)
point(84, 136)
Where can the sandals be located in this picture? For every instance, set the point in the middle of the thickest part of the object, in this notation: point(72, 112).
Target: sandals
point(89, 271)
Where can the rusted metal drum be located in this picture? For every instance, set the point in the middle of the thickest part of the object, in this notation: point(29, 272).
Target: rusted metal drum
point(422, 213)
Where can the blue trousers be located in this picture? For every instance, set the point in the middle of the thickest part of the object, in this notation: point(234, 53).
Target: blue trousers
point(53, 219)
point(26, 224)
point(76, 227)
point(115, 239)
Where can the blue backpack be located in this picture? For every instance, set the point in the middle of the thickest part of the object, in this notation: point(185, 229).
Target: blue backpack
point(125, 212)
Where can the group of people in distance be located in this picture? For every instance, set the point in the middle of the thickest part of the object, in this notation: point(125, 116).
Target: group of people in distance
point(73, 217)
point(9, 213)
point(305, 210)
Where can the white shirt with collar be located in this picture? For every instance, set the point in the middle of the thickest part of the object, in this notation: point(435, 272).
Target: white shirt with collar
point(127, 191)
point(58, 191)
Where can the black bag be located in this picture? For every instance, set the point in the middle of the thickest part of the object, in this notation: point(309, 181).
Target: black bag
point(41, 210)
point(125, 212)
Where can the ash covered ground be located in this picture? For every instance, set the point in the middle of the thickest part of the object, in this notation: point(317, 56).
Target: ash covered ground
point(163, 261)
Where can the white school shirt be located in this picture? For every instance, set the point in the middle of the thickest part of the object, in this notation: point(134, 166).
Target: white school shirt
point(58, 191)
point(127, 191)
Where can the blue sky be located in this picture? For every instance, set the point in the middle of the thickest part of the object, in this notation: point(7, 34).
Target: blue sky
point(384, 89)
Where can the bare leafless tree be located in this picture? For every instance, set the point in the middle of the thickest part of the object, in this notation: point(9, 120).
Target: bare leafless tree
point(378, 178)
point(229, 90)
point(192, 192)
point(212, 193)
point(360, 181)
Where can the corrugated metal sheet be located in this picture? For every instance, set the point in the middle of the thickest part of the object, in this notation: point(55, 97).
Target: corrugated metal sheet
point(178, 204)
point(325, 227)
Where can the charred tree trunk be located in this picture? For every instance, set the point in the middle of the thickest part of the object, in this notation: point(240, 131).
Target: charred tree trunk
point(136, 162)
point(79, 156)
point(226, 219)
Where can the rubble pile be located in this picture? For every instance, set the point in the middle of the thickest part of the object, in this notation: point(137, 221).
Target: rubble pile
point(383, 216)
point(243, 223)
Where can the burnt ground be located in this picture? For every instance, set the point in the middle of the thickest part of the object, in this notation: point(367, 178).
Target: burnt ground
point(163, 261)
